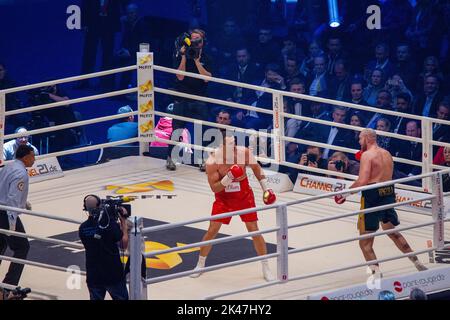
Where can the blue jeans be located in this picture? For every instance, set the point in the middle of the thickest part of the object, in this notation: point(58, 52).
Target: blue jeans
point(117, 291)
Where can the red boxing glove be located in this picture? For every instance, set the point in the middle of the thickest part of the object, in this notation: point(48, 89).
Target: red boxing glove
point(232, 174)
point(235, 172)
point(358, 155)
point(340, 199)
point(269, 197)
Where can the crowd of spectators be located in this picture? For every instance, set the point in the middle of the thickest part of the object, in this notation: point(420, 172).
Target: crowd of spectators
point(403, 67)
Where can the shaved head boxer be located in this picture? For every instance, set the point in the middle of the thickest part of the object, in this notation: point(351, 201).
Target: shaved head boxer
point(377, 166)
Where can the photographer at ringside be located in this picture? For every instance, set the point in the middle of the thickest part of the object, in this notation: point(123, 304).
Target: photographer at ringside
point(341, 163)
point(311, 158)
point(102, 234)
point(190, 57)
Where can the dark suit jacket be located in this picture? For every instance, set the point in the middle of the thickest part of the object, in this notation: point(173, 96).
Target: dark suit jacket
point(388, 69)
point(441, 132)
point(408, 151)
point(420, 102)
point(321, 132)
point(251, 75)
point(90, 15)
point(335, 86)
point(325, 92)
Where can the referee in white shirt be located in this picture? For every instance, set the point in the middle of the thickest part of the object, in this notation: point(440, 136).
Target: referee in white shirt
point(13, 193)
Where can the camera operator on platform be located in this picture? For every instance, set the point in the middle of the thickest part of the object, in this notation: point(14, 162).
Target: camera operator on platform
point(102, 234)
point(190, 57)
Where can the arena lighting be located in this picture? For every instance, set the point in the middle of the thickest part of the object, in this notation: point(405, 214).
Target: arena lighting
point(333, 12)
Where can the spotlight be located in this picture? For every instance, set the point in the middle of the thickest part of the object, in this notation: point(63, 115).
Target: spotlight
point(333, 12)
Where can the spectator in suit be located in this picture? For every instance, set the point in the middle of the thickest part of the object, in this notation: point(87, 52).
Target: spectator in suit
point(384, 142)
point(357, 120)
point(381, 61)
point(307, 65)
point(426, 103)
point(291, 50)
point(356, 93)
point(335, 53)
point(100, 20)
point(423, 31)
point(317, 110)
point(295, 106)
point(134, 31)
point(405, 66)
point(291, 69)
point(441, 132)
point(376, 84)
point(431, 68)
point(242, 70)
point(410, 151)
point(227, 42)
point(266, 50)
point(318, 80)
point(331, 135)
point(339, 87)
point(384, 102)
point(403, 105)
point(256, 120)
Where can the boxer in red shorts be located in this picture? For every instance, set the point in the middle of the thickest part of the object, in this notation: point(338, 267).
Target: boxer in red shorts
point(225, 169)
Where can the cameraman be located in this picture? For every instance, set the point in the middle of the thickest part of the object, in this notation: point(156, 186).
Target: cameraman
point(190, 59)
point(100, 235)
point(341, 163)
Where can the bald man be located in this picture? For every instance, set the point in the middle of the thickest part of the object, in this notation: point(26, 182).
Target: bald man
point(377, 166)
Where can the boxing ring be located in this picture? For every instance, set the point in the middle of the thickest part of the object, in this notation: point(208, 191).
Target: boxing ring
point(312, 240)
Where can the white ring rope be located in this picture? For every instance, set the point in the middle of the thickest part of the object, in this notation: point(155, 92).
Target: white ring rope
point(70, 79)
point(49, 240)
point(38, 264)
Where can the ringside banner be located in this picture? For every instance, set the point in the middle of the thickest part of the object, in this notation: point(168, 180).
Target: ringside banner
point(45, 169)
point(433, 280)
point(314, 185)
point(278, 182)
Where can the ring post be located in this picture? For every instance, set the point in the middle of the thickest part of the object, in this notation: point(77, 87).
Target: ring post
point(278, 126)
point(282, 244)
point(2, 123)
point(136, 249)
point(427, 152)
point(146, 97)
point(438, 211)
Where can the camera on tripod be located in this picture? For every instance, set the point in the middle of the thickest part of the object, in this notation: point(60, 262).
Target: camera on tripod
point(192, 46)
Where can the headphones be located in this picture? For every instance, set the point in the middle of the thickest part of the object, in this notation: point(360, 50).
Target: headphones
point(99, 201)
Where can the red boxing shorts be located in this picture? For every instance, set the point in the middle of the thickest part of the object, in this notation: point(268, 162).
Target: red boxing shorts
point(237, 196)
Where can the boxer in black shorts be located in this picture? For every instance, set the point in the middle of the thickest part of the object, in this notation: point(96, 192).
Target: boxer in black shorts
point(377, 167)
point(370, 222)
